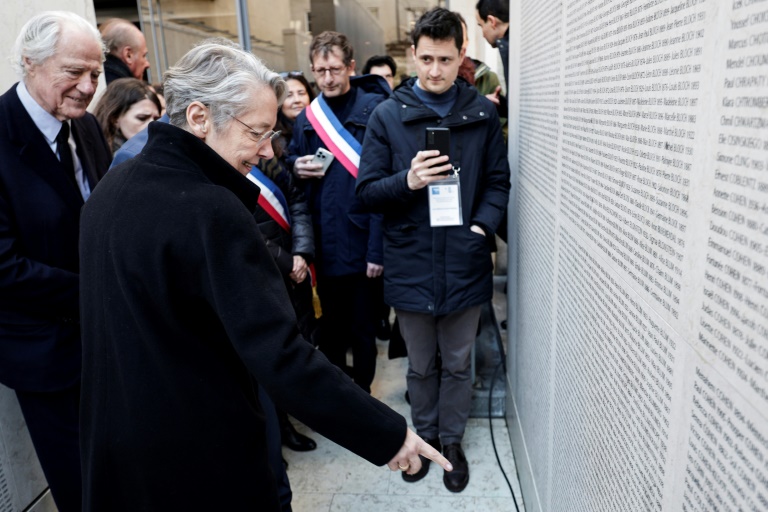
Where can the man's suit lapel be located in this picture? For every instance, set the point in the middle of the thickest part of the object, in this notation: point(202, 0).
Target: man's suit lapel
point(36, 154)
point(86, 150)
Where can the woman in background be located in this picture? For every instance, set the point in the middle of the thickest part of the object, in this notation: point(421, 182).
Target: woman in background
point(299, 95)
point(290, 239)
point(127, 106)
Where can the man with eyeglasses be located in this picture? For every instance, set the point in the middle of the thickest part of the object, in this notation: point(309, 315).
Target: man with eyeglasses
point(347, 237)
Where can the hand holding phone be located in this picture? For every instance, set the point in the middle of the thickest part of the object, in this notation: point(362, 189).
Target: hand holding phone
point(323, 157)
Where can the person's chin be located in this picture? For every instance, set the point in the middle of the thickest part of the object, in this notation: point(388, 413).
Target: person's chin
point(75, 108)
point(331, 92)
point(74, 112)
point(436, 88)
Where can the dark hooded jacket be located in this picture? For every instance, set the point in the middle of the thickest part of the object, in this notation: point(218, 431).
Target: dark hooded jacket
point(444, 269)
point(181, 304)
point(347, 235)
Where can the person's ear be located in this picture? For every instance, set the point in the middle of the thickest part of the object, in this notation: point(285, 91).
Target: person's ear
point(29, 67)
point(462, 53)
point(198, 120)
point(413, 52)
point(126, 54)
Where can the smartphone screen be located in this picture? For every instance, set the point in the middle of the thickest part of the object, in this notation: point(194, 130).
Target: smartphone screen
point(439, 139)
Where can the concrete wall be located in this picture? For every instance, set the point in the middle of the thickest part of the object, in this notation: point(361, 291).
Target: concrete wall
point(353, 20)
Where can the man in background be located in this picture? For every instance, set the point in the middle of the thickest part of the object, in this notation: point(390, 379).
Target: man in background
point(126, 50)
point(382, 65)
point(52, 154)
point(439, 269)
point(493, 19)
point(347, 237)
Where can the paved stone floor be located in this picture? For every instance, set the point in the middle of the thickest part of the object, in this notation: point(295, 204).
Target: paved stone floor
point(334, 480)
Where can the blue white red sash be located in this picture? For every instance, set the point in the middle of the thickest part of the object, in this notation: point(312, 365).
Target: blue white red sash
point(339, 141)
point(271, 198)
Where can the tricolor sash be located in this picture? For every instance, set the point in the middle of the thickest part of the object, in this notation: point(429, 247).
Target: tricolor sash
point(339, 141)
point(271, 199)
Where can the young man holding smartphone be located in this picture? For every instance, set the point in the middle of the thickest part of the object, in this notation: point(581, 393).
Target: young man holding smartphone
point(438, 229)
point(347, 236)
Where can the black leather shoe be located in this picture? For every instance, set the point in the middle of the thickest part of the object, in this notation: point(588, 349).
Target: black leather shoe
point(292, 439)
point(435, 443)
point(456, 480)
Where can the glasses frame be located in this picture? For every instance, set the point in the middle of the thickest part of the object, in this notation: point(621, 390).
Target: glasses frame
point(259, 139)
point(333, 71)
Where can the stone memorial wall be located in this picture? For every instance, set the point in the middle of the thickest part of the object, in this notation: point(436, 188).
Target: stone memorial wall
point(639, 365)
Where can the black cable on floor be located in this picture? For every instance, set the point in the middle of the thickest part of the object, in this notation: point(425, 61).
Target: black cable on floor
point(493, 441)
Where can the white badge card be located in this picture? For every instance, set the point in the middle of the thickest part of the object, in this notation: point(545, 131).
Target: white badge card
point(444, 203)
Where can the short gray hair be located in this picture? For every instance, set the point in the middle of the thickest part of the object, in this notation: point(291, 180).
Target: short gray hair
point(220, 76)
point(39, 37)
point(119, 33)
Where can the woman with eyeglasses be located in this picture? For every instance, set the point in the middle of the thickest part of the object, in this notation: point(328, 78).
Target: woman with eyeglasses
point(187, 318)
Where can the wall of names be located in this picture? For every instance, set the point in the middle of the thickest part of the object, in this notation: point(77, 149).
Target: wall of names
point(641, 350)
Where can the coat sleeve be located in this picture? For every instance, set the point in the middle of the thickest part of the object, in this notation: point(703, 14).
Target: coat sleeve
point(302, 234)
point(380, 186)
point(375, 252)
point(240, 277)
point(298, 146)
point(31, 285)
point(495, 193)
point(283, 259)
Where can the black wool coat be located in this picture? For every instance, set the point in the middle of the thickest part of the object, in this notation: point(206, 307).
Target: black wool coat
point(181, 301)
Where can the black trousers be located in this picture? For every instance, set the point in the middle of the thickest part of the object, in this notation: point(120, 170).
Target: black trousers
point(53, 422)
point(349, 320)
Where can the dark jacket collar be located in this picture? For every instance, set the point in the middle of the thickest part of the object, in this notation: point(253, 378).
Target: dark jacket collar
point(115, 68)
point(371, 90)
point(469, 107)
point(503, 46)
point(169, 146)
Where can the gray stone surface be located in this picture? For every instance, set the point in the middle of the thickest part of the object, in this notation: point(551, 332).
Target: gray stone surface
point(21, 478)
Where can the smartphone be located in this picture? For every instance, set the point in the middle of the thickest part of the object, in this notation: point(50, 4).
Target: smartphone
point(439, 139)
point(322, 157)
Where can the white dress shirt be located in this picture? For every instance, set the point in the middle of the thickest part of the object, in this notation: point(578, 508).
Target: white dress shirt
point(50, 127)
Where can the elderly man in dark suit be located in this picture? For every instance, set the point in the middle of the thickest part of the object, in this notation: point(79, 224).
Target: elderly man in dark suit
point(52, 154)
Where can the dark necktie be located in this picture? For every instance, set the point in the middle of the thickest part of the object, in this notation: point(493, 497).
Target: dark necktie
point(65, 152)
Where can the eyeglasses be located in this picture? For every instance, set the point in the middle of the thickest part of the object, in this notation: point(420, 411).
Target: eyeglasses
point(334, 71)
point(290, 74)
point(259, 138)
